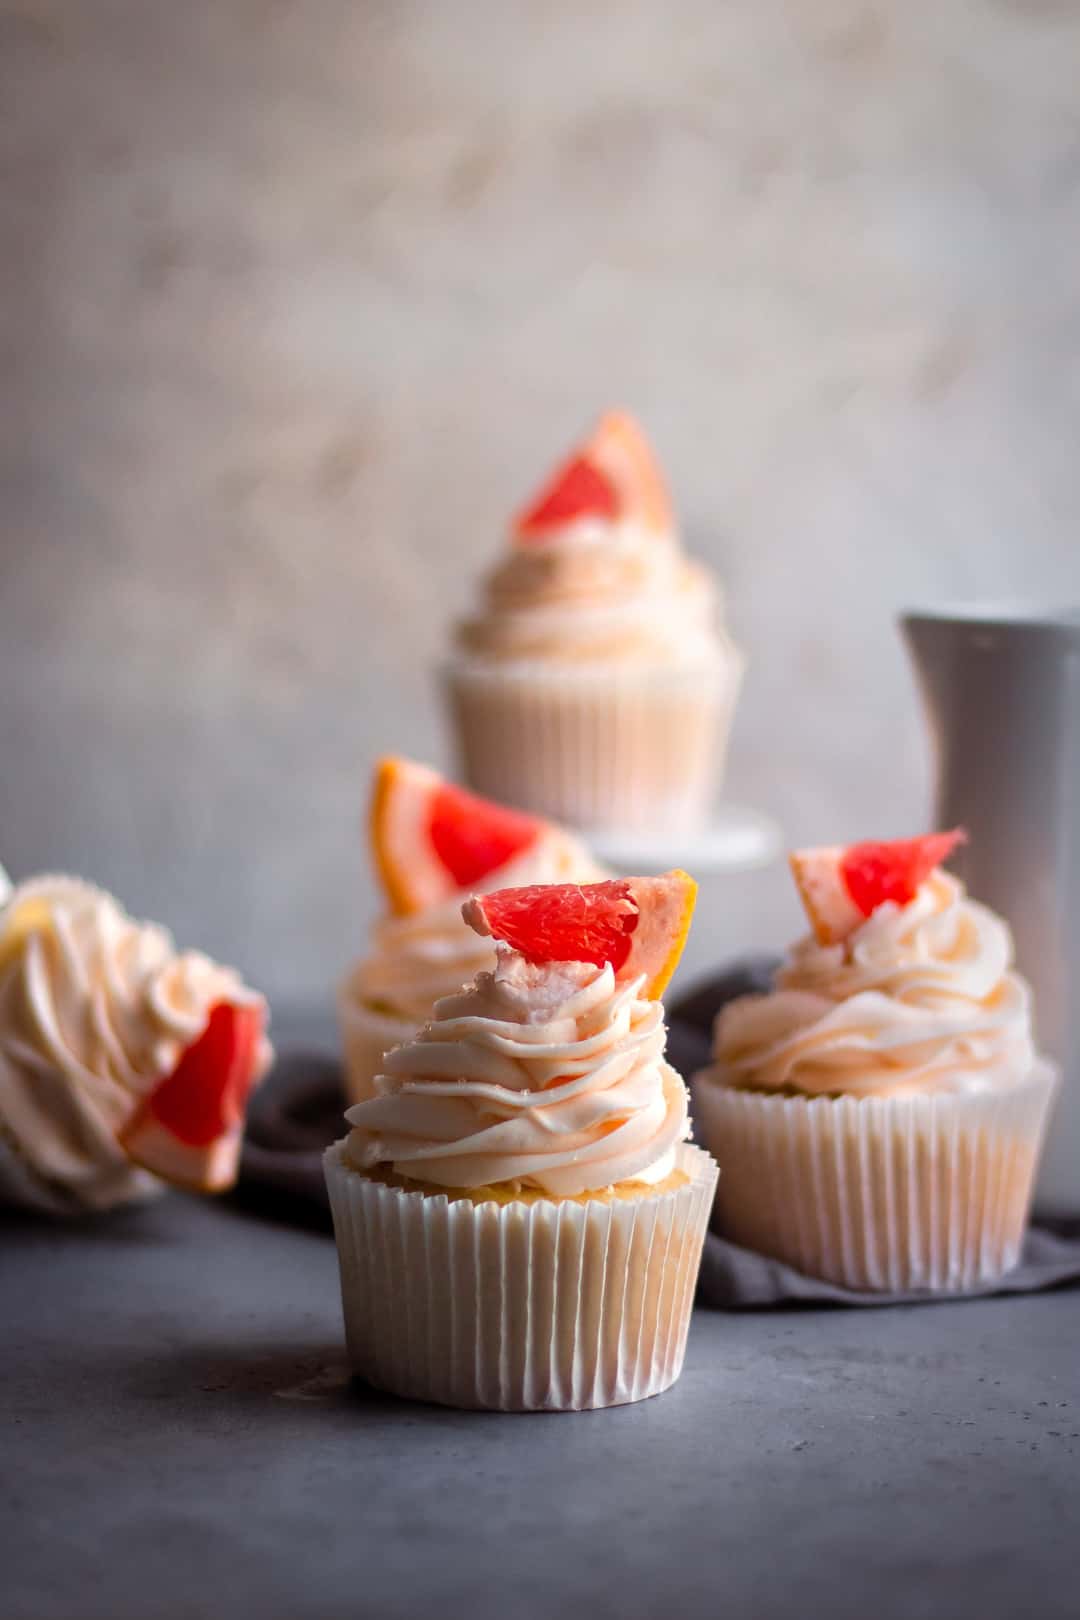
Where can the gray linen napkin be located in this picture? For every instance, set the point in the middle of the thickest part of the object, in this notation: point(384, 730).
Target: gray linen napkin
point(738, 1279)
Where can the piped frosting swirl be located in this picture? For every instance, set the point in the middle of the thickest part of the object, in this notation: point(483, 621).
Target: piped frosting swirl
point(920, 998)
point(535, 1077)
point(597, 592)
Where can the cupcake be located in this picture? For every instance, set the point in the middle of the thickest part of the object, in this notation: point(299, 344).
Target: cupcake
point(433, 844)
point(123, 1064)
point(519, 1217)
point(595, 685)
point(878, 1115)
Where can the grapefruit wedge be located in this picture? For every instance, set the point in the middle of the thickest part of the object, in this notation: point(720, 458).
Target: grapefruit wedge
point(638, 924)
point(841, 887)
point(613, 476)
point(188, 1129)
point(430, 840)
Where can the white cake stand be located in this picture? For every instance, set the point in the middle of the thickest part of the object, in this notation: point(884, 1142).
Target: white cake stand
point(733, 840)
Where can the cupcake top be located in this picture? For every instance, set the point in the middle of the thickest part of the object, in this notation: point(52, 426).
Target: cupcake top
point(904, 987)
point(97, 1011)
point(547, 1073)
point(596, 572)
point(416, 959)
point(432, 845)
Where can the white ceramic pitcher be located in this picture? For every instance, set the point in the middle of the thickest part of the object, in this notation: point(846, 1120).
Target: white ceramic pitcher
point(1002, 691)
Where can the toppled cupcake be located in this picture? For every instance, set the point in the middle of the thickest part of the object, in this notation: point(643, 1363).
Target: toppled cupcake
point(123, 1063)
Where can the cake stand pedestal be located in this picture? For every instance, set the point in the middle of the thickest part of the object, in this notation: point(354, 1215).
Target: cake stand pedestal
point(733, 840)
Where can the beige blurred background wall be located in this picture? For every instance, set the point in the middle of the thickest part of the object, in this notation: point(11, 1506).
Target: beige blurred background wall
point(298, 299)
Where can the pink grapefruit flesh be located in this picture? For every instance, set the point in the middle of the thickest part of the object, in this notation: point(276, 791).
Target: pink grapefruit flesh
point(188, 1129)
point(840, 887)
point(613, 476)
point(579, 489)
point(430, 839)
point(473, 837)
point(637, 925)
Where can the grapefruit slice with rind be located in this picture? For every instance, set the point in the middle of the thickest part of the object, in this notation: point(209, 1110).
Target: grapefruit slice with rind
point(188, 1130)
point(613, 476)
point(637, 924)
point(431, 840)
point(840, 887)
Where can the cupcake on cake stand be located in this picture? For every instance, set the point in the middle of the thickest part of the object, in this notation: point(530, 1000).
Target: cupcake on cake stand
point(595, 684)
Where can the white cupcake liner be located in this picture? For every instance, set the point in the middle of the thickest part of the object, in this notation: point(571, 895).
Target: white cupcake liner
point(916, 1193)
point(366, 1037)
point(547, 1306)
point(596, 747)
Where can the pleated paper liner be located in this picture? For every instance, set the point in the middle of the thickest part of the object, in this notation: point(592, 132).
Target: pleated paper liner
point(930, 1192)
point(543, 1306)
point(366, 1037)
point(598, 747)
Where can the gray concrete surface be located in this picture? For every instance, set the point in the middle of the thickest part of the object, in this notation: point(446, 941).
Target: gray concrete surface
point(179, 1443)
point(297, 300)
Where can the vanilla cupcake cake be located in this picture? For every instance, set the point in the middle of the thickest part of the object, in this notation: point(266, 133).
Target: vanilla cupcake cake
point(519, 1217)
point(595, 683)
point(878, 1117)
point(432, 844)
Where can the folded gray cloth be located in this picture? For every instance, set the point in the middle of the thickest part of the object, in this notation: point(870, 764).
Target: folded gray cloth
point(298, 1112)
point(738, 1279)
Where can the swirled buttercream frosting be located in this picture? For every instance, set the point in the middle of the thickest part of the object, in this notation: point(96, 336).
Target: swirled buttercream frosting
point(534, 1077)
point(95, 1009)
point(920, 998)
point(598, 592)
